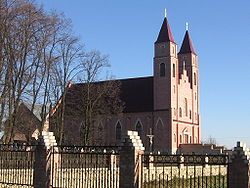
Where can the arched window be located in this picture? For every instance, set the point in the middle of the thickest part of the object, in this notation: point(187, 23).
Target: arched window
point(186, 107)
point(194, 78)
point(186, 139)
point(138, 128)
point(118, 131)
point(173, 70)
point(180, 139)
point(190, 114)
point(180, 112)
point(162, 69)
point(174, 137)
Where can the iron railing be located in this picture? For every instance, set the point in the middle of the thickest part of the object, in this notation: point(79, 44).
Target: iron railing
point(85, 166)
point(184, 171)
point(16, 165)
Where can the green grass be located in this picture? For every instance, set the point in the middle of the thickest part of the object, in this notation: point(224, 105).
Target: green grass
point(207, 181)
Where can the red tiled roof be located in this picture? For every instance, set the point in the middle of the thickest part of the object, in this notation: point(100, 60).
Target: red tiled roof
point(187, 45)
point(165, 34)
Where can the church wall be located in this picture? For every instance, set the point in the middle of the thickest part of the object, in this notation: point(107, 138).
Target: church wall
point(161, 129)
point(185, 96)
point(191, 61)
point(128, 122)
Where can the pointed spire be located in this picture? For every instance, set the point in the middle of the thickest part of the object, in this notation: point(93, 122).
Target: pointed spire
point(165, 34)
point(187, 45)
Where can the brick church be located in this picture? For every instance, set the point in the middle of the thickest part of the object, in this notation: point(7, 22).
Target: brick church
point(165, 105)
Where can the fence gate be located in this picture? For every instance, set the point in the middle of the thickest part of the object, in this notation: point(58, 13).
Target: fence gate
point(84, 167)
point(182, 171)
point(16, 165)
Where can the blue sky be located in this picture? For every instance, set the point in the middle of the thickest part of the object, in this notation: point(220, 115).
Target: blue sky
point(220, 30)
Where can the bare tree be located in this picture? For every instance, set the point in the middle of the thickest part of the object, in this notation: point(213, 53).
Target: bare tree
point(210, 140)
point(93, 99)
point(70, 53)
point(39, 55)
point(34, 48)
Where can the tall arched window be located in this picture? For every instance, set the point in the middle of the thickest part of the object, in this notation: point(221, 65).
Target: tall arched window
point(186, 138)
point(173, 70)
point(195, 79)
point(162, 69)
point(118, 131)
point(180, 112)
point(138, 128)
point(186, 107)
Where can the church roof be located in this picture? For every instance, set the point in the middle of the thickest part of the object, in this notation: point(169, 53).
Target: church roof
point(187, 45)
point(165, 34)
point(137, 94)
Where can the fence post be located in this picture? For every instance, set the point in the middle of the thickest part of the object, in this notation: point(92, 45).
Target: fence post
point(131, 161)
point(41, 165)
point(238, 168)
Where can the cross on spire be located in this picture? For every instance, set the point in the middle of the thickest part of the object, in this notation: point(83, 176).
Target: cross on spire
point(186, 26)
point(165, 12)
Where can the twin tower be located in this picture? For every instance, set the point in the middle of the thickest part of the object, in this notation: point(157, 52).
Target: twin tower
point(176, 89)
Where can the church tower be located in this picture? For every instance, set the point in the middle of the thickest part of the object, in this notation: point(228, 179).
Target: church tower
point(165, 86)
point(188, 119)
point(165, 67)
point(176, 91)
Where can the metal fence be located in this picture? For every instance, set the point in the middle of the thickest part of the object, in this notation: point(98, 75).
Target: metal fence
point(99, 167)
point(184, 171)
point(88, 167)
point(16, 165)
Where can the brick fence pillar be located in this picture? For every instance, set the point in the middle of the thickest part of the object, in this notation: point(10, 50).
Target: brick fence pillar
point(41, 165)
point(131, 161)
point(238, 168)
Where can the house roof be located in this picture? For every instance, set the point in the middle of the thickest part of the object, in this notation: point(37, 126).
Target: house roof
point(37, 109)
point(165, 34)
point(20, 137)
point(187, 45)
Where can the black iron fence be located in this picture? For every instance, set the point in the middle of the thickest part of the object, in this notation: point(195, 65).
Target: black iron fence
point(184, 171)
point(16, 165)
point(101, 167)
point(88, 167)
